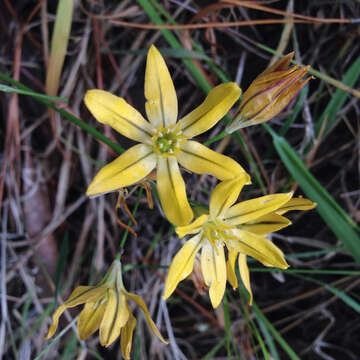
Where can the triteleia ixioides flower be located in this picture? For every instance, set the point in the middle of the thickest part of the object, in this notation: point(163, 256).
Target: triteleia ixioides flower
point(269, 93)
point(239, 228)
point(164, 142)
point(107, 309)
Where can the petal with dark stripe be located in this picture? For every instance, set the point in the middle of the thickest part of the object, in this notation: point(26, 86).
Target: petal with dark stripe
point(129, 168)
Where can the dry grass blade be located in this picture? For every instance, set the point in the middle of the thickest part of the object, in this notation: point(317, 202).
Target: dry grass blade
point(53, 238)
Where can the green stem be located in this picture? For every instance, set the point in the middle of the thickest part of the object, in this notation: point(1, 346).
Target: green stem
point(40, 97)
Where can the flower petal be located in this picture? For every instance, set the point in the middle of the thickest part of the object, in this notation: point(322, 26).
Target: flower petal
point(217, 103)
point(224, 195)
point(140, 302)
point(90, 319)
point(129, 168)
point(200, 160)
point(192, 228)
point(230, 268)
point(115, 317)
point(213, 268)
point(114, 111)
point(79, 296)
point(266, 224)
point(262, 90)
point(281, 99)
point(281, 64)
point(245, 275)
point(161, 106)
point(172, 192)
point(249, 210)
point(182, 265)
point(298, 203)
point(127, 335)
point(259, 248)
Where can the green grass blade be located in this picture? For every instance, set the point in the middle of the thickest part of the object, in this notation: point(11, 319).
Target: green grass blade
point(55, 339)
point(210, 355)
point(250, 323)
point(338, 99)
point(307, 271)
point(70, 348)
point(334, 216)
point(9, 89)
point(269, 340)
point(227, 326)
point(116, 147)
point(337, 292)
point(277, 336)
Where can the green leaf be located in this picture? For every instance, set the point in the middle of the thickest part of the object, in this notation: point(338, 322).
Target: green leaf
point(227, 325)
point(334, 216)
point(337, 292)
point(277, 336)
point(9, 89)
point(44, 99)
point(338, 99)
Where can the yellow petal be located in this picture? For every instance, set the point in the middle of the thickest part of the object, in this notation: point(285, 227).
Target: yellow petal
point(127, 335)
point(298, 203)
point(90, 319)
point(245, 275)
point(117, 113)
point(259, 248)
point(79, 296)
point(266, 224)
point(129, 168)
point(182, 265)
point(213, 268)
point(115, 317)
point(218, 102)
point(249, 210)
point(161, 106)
point(192, 228)
point(230, 268)
point(200, 160)
point(172, 192)
point(140, 302)
point(224, 195)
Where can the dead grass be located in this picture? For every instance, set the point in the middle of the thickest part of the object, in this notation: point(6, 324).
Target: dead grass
point(53, 238)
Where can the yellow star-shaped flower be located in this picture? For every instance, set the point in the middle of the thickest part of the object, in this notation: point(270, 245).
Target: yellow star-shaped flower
point(164, 142)
point(106, 308)
point(241, 228)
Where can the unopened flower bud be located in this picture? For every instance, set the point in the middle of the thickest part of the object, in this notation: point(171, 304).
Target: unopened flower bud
point(269, 93)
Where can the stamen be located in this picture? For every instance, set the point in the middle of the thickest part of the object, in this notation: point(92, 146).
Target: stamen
point(167, 141)
point(121, 200)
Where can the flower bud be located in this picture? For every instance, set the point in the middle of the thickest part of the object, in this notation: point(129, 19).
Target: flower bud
point(269, 93)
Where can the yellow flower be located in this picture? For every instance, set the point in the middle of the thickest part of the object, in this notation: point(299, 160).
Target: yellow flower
point(106, 308)
point(262, 225)
point(164, 142)
point(269, 93)
point(241, 228)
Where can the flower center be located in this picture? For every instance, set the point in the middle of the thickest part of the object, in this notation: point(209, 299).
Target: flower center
point(167, 141)
point(218, 232)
